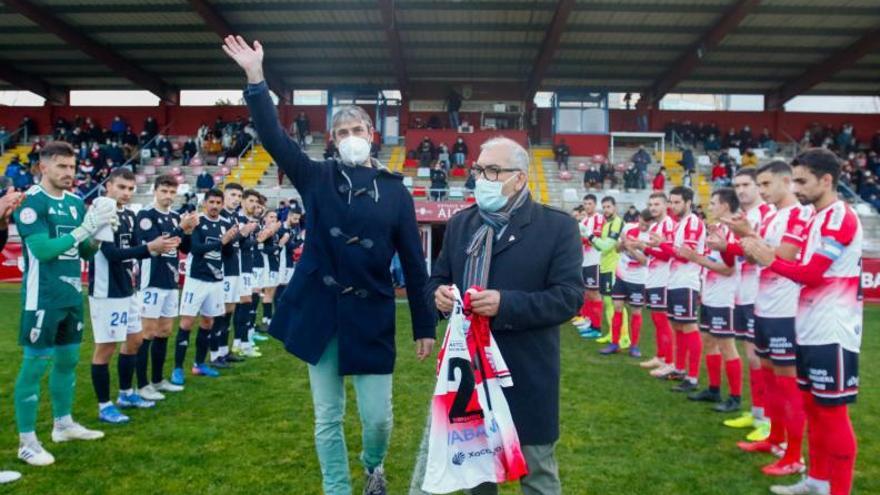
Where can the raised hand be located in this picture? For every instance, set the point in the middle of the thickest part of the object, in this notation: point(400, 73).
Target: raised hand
point(229, 235)
point(248, 58)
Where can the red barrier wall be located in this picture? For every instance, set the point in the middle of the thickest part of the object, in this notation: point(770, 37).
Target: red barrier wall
point(585, 144)
point(473, 140)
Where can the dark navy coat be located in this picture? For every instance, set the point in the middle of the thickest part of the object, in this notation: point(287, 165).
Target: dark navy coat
point(356, 218)
point(536, 265)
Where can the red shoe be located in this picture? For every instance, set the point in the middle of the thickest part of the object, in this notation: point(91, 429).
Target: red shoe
point(779, 468)
point(759, 446)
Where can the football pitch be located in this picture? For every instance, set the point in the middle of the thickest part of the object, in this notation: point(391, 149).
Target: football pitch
point(250, 431)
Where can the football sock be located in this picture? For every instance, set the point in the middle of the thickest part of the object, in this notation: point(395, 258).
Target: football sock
point(62, 379)
point(181, 343)
point(733, 368)
point(159, 350)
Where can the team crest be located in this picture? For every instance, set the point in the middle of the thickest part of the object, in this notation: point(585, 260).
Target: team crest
point(73, 212)
point(27, 216)
point(146, 223)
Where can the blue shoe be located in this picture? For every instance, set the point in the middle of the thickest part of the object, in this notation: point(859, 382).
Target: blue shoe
point(177, 376)
point(635, 352)
point(260, 338)
point(610, 349)
point(134, 400)
point(111, 414)
point(592, 334)
point(205, 370)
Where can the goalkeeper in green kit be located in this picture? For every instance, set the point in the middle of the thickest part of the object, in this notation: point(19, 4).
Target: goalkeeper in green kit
point(56, 231)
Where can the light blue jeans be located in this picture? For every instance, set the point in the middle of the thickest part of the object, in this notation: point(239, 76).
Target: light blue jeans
point(374, 407)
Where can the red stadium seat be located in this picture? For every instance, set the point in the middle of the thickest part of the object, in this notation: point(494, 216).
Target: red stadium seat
point(140, 179)
point(565, 175)
point(158, 162)
point(230, 162)
point(582, 167)
point(176, 146)
point(224, 171)
point(175, 171)
point(599, 159)
point(410, 163)
point(458, 172)
point(419, 192)
point(470, 199)
point(180, 179)
point(197, 161)
point(218, 179)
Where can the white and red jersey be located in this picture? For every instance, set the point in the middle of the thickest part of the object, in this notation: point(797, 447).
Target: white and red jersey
point(747, 288)
point(778, 295)
point(658, 268)
point(719, 290)
point(830, 312)
point(690, 232)
point(630, 269)
point(591, 226)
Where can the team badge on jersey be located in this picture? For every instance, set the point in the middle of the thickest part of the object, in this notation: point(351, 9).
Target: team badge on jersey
point(28, 216)
point(146, 223)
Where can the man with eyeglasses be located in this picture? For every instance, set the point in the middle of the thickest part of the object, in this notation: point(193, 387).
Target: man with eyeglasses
point(527, 258)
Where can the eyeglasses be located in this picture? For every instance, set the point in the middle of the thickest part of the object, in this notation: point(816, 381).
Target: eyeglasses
point(490, 172)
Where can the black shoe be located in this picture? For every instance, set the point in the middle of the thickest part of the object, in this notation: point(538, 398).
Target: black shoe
point(220, 363)
point(685, 386)
point(705, 396)
point(732, 404)
point(232, 358)
point(676, 376)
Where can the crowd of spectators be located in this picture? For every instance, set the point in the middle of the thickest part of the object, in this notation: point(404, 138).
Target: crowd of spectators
point(224, 138)
point(428, 154)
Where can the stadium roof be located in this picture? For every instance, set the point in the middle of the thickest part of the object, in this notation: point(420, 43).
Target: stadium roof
point(780, 48)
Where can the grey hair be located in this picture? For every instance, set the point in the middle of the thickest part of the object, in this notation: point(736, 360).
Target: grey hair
point(519, 157)
point(349, 113)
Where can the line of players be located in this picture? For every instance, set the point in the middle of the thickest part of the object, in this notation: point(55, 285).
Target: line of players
point(782, 275)
point(238, 255)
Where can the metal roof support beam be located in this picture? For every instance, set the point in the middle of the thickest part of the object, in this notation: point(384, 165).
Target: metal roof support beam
point(221, 26)
point(386, 7)
point(823, 71)
point(147, 80)
point(685, 65)
point(53, 95)
point(549, 46)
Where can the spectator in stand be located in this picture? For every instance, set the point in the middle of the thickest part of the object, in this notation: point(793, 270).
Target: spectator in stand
point(129, 139)
point(115, 153)
point(282, 211)
point(561, 153)
point(749, 159)
point(631, 177)
point(439, 183)
point(14, 171)
point(426, 152)
point(330, 150)
point(875, 142)
point(719, 175)
point(610, 174)
point(202, 136)
point(117, 127)
point(33, 157)
point(687, 180)
point(688, 162)
point(631, 215)
point(846, 140)
point(670, 129)
point(767, 142)
point(163, 146)
point(659, 183)
point(711, 143)
point(88, 189)
point(459, 152)
point(731, 140)
point(453, 105)
point(87, 167)
point(434, 122)
point(746, 140)
point(471, 182)
point(151, 127)
point(443, 156)
point(204, 181)
point(698, 210)
point(189, 150)
point(30, 129)
point(302, 128)
point(869, 188)
point(218, 127)
point(593, 178)
point(642, 159)
point(872, 162)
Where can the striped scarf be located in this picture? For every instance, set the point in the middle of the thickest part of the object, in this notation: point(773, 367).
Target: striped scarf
point(479, 250)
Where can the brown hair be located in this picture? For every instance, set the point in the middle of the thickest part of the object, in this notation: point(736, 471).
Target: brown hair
point(56, 148)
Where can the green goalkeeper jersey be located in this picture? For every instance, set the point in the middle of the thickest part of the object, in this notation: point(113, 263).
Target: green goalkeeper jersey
point(56, 283)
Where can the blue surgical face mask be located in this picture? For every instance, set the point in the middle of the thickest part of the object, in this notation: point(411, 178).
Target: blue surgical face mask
point(489, 196)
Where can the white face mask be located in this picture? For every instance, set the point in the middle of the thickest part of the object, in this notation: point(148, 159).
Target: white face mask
point(354, 150)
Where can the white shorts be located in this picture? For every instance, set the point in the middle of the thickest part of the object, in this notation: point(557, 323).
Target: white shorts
point(202, 298)
point(288, 274)
point(158, 303)
point(114, 318)
point(270, 279)
point(231, 289)
point(257, 279)
point(246, 285)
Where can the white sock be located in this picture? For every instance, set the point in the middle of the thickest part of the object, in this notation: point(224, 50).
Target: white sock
point(126, 392)
point(251, 334)
point(28, 438)
point(64, 421)
point(758, 413)
point(236, 343)
point(104, 405)
point(214, 355)
point(224, 350)
point(692, 380)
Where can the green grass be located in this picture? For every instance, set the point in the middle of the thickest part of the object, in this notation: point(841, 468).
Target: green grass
point(251, 430)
